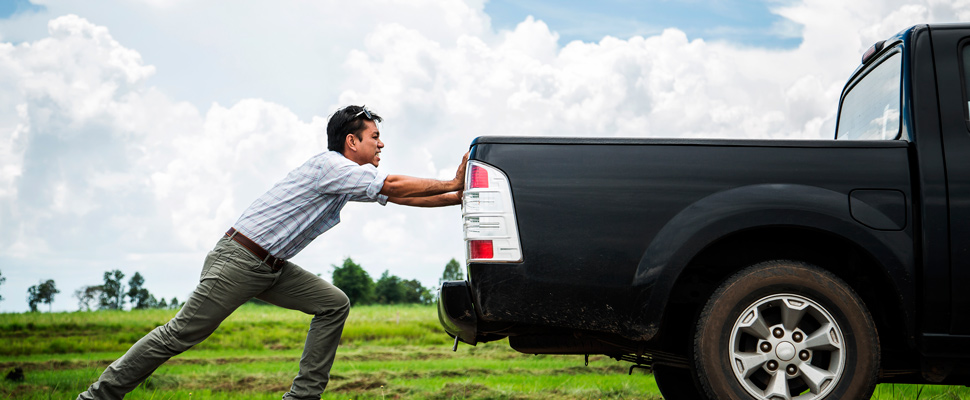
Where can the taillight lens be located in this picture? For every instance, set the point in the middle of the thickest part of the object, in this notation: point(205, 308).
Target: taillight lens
point(478, 178)
point(481, 249)
point(491, 234)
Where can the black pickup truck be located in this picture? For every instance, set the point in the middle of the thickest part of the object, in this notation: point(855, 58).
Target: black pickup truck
point(742, 269)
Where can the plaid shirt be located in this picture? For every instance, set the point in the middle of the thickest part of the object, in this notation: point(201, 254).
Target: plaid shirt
point(308, 201)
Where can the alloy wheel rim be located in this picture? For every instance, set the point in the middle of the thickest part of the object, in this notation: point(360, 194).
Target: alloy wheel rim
point(787, 347)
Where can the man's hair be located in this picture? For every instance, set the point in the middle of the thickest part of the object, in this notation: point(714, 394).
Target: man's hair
point(346, 121)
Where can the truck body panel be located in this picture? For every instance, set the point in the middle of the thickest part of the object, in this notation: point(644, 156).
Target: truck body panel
point(588, 213)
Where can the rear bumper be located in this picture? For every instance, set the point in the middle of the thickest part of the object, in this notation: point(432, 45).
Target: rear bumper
point(456, 311)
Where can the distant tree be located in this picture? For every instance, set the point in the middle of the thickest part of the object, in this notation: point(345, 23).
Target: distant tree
point(354, 281)
point(452, 271)
point(134, 287)
point(388, 289)
point(112, 292)
point(175, 303)
point(33, 297)
point(162, 304)
point(151, 302)
point(86, 296)
point(42, 293)
point(414, 292)
point(139, 296)
point(2, 280)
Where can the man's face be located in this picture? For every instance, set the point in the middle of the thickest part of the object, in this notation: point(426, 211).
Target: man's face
point(367, 150)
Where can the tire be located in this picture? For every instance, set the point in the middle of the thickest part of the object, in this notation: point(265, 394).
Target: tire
point(786, 330)
point(676, 383)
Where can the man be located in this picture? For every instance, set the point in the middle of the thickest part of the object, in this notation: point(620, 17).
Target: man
point(250, 260)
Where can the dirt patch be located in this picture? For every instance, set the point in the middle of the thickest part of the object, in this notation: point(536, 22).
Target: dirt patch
point(441, 373)
point(395, 356)
point(251, 383)
point(467, 391)
point(21, 391)
point(264, 383)
point(359, 385)
point(57, 365)
point(53, 365)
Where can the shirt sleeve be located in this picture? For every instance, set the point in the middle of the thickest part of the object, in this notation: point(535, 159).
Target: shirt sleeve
point(339, 175)
point(380, 199)
point(373, 190)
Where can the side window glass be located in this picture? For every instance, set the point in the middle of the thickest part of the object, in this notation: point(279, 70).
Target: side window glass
point(870, 110)
point(965, 66)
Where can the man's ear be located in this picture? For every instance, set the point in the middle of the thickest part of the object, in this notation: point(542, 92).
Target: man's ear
point(350, 142)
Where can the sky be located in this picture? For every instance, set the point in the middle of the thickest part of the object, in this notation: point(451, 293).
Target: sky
point(134, 132)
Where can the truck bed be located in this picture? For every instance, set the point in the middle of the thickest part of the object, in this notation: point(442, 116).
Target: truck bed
point(603, 221)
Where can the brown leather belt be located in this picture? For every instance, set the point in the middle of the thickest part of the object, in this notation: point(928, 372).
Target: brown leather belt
point(275, 263)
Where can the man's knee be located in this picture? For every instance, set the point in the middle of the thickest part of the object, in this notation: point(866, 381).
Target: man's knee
point(173, 339)
point(343, 303)
point(337, 305)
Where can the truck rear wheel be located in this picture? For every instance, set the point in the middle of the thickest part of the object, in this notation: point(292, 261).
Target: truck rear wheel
point(786, 330)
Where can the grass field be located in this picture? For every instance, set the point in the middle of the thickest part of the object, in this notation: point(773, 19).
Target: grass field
point(387, 352)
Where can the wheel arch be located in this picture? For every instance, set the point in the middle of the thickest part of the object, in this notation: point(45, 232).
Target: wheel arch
point(723, 233)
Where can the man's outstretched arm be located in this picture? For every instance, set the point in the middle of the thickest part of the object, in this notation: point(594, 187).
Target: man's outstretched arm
point(441, 200)
point(409, 186)
point(402, 186)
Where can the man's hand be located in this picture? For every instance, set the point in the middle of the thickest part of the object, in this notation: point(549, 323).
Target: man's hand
point(460, 175)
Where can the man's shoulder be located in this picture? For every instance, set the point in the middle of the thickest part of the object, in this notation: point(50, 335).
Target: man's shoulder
point(329, 157)
point(334, 164)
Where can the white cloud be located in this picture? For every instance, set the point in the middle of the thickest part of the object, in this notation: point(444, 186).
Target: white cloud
point(523, 84)
point(12, 145)
point(237, 154)
point(132, 135)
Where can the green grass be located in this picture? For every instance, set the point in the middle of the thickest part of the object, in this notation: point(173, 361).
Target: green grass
point(387, 352)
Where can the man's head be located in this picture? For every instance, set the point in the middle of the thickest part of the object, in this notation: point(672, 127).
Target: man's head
point(352, 131)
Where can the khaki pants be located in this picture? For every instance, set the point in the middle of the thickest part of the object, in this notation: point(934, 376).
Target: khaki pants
point(231, 276)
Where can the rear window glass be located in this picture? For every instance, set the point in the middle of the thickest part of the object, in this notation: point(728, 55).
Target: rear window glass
point(870, 111)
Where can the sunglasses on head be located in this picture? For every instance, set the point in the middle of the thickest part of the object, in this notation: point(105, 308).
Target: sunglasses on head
point(365, 112)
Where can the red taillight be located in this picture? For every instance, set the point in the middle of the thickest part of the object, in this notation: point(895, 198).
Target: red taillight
point(479, 178)
point(481, 249)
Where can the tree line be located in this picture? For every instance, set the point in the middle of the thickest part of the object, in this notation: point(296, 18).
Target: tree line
point(113, 294)
point(361, 289)
point(350, 277)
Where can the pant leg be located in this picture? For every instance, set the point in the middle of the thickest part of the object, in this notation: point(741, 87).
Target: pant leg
point(298, 289)
point(228, 280)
